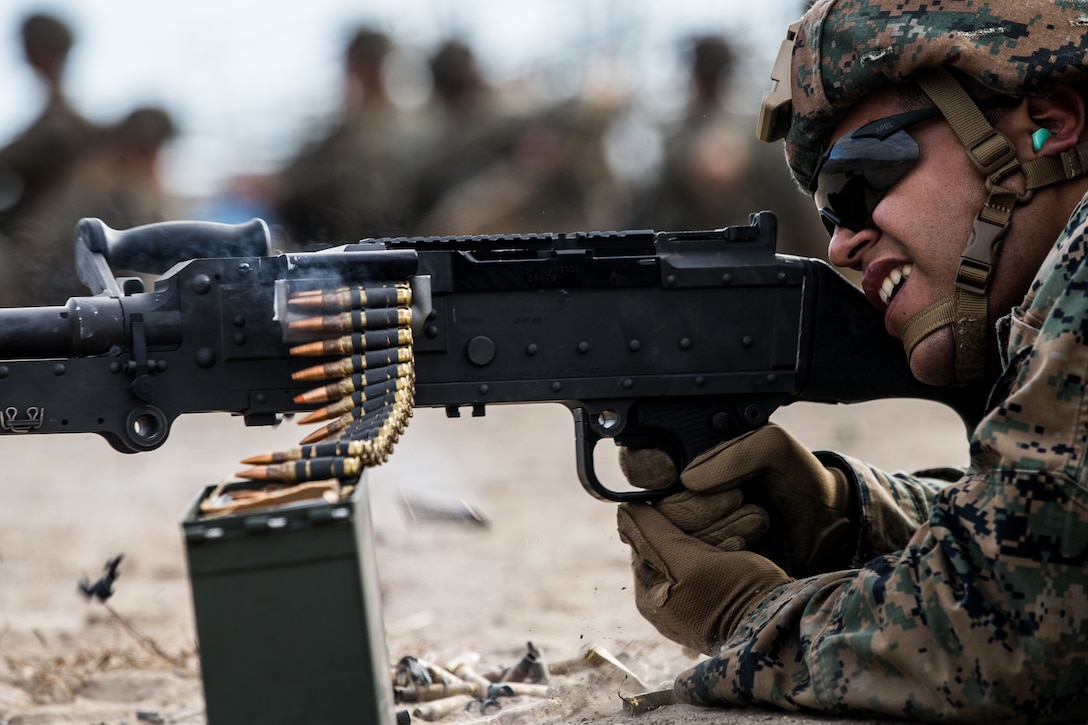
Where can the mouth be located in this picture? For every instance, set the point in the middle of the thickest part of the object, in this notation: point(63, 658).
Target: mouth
point(891, 284)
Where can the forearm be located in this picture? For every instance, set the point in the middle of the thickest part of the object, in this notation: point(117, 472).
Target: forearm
point(949, 627)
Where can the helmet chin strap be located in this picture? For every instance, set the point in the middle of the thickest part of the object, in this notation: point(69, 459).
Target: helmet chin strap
point(965, 310)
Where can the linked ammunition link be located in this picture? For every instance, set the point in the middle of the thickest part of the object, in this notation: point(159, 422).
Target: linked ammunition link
point(370, 394)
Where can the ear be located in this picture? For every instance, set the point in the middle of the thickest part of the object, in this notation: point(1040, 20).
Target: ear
point(1062, 113)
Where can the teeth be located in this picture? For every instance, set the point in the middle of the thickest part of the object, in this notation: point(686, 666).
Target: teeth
point(892, 281)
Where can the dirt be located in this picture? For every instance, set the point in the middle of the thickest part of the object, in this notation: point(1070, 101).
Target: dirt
point(542, 562)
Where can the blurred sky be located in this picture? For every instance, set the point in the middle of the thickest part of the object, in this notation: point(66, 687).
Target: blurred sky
point(245, 80)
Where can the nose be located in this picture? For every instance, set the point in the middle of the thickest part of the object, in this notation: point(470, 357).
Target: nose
point(847, 246)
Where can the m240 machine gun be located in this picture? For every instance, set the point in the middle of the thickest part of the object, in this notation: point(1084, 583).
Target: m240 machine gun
point(677, 340)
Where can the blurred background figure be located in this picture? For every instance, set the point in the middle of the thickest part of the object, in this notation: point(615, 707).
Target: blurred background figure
point(38, 159)
point(714, 173)
point(117, 180)
point(466, 127)
point(40, 156)
point(350, 183)
point(555, 179)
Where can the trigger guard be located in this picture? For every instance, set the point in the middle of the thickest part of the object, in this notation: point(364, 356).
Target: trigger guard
point(586, 439)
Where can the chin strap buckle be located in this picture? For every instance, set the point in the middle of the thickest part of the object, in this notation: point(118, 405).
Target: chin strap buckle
point(977, 262)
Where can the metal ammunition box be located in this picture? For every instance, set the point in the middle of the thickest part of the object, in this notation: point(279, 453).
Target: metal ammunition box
point(288, 614)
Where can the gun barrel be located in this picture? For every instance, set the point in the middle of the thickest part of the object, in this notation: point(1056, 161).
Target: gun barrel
point(84, 326)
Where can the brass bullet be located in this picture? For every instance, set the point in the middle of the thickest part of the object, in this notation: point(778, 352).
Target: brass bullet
point(355, 364)
point(358, 403)
point(355, 343)
point(356, 320)
point(344, 424)
point(359, 381)
point(346, 298)
point(318, 450)
point(311, 469)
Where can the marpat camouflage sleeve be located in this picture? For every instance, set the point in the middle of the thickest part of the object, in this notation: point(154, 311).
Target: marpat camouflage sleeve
point(983, 614)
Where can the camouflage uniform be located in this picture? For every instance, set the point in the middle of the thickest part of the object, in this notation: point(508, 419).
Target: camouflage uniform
point(969, 600)
point(983, 612)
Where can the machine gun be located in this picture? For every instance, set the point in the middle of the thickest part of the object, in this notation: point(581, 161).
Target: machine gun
point(676, 340)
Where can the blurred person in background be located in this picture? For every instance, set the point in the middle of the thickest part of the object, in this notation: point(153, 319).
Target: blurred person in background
point(467, 126)
point(117, 181)
point(556, 179)
point(350, 183)
point(714, 173)
point(37, 160)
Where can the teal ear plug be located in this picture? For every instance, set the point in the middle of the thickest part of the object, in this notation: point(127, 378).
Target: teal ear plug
point(1038, 139)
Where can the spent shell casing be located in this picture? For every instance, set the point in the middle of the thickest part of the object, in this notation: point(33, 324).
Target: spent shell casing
point(430, 693)
point(514, 689)
point(465, 671)
point(355, 321)
point(347, 298)
point(356, 364)
point(352, 383)
point(646, 701)
point(438, 709)
point(311, 469)
point(355, 343)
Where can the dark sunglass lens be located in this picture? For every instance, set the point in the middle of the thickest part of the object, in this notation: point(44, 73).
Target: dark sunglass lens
point(855, 173)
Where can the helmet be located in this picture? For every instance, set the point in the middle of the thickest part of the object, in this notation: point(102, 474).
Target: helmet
point(844, 49)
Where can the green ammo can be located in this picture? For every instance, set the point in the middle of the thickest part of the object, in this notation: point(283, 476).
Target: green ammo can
point(288, 614)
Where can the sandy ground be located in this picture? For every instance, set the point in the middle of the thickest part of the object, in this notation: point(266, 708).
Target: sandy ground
point(547, 569)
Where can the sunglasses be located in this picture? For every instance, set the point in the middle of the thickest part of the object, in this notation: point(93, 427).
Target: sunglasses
point(855, 174)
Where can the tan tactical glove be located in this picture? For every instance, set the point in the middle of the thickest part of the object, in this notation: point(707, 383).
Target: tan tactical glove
point(693, 592)
point(815, 505)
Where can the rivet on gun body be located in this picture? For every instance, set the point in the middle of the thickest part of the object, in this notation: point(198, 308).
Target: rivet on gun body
point(670, 280)
point(685, 343)
point(204, 357)
point(720, 421)
point(746, 341)
point(59, 369)
point(201, 284)
point(700, 381)
point(557, 386)
point(583, 347)
point(240, 338)
point(772, 378)
point(239, 321)
point(628, 383)
point(532, 349)
point(431, 331)
point(4, 371)
point(484, 389)
point(634, 345)
point(245, 267)
point(781, 276)
point(727, 278)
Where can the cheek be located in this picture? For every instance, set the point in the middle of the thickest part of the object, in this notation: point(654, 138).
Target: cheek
point(932, 210)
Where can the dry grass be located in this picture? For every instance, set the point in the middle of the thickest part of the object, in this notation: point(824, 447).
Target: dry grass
point(50, 677)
